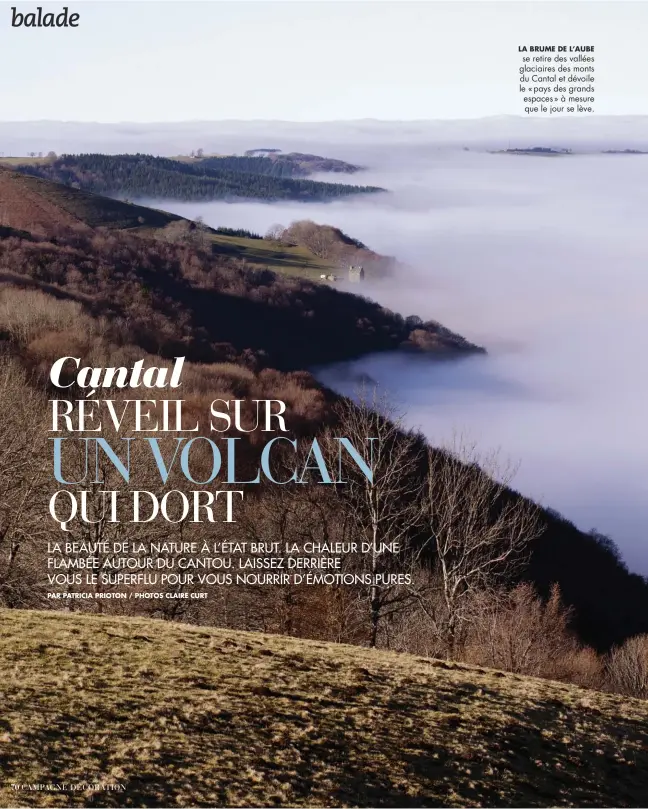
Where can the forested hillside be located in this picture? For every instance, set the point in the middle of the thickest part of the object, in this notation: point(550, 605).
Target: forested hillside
point(177, 299)
point(144, 176)
point(278, 164)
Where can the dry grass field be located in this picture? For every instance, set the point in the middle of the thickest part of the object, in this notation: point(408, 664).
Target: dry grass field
point(187, 716)
point(22, 161)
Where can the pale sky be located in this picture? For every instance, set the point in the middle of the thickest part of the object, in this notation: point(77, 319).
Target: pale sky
point(307, 60)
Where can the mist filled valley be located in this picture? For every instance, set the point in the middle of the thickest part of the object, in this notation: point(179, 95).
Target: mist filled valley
point(542, 261)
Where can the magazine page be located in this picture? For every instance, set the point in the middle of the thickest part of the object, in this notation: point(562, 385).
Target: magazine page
point(323, 403)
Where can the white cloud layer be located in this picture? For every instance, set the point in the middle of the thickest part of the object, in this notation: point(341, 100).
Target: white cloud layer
point(543, 261)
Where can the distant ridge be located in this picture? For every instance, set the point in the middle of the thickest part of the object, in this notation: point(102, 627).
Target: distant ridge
point(493, 132)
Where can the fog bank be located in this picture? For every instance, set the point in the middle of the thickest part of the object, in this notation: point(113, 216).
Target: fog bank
point(542, 260)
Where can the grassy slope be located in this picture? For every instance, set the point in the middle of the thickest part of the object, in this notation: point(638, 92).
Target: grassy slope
point(192, 716)
point(273, 256)
point(266, 254)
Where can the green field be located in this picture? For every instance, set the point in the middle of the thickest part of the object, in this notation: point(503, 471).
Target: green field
point(189, 716)
point(298, 261)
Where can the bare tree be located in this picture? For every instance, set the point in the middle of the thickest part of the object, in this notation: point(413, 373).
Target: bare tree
point(515, 630)
point(322, 240)
point(478, 527)
point(23, 526)
point(275, 233)
point(385, 506)
point(512, 629)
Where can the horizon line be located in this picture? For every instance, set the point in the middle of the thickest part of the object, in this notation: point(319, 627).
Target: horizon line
point(320, 122)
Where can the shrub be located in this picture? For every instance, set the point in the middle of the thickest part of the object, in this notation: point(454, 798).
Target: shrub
point(26, 314)
point(627, 667)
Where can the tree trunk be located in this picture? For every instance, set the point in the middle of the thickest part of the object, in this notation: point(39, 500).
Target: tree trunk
point(375, 616)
